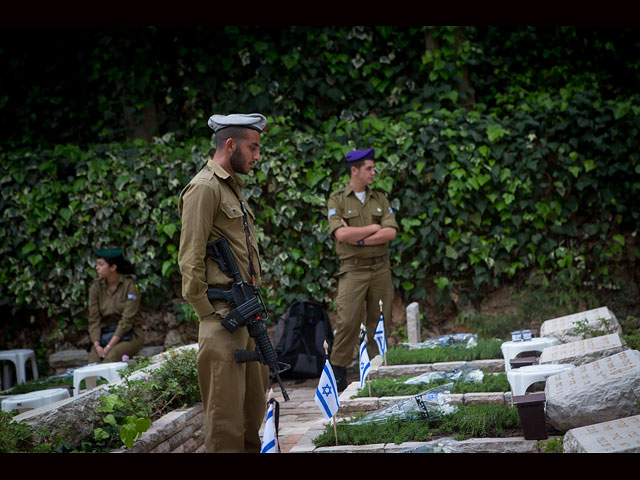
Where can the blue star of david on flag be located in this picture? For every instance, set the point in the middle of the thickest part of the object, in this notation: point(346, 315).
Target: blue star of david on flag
point(327, 394)
point(269, 437)
point(379, 337)
point(365, 364)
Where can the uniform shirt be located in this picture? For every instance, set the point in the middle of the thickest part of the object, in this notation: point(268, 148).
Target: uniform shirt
point(209, 208)
point(119, 307)
point(344, 204)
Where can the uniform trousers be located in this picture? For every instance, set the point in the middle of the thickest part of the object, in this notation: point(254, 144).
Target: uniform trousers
point(233, 394)
point(127, 347)
point(360, 289)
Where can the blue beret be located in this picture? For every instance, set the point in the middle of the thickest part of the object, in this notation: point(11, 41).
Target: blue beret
point(360, 155)
point(255, 121)
point(109, 253)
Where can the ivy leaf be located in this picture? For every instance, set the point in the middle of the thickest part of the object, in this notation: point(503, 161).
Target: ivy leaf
point(100, 434)
point(451, 252)
point(29, 247)
point(66, 213)
point(385, 184)
point(442, 282)
point(408, 286)
point(314, 176)
point(110, 419)
point(495, 132)
point(169, 229)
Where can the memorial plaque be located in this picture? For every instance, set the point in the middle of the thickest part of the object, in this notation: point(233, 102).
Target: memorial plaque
point(595, 392)
point(594, 372)
point(616, 436)
point(583, 351)
point(564, 328)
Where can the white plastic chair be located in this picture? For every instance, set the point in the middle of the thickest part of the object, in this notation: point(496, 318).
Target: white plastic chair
point(510, 350)
point(109, 371)
point(522, 378)
point(39, 398)
point(19, 357)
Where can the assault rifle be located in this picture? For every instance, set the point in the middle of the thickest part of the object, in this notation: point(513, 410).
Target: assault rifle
point(248, 311)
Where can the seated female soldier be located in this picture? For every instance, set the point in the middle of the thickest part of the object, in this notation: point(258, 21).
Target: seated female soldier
point(115, 323)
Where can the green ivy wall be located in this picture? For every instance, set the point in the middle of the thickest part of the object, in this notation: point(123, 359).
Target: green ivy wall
point(498, 160)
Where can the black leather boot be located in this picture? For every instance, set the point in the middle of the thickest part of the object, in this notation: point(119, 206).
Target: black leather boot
point(341, 377)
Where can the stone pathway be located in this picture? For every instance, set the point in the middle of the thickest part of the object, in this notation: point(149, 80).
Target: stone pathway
point(300, 418)
point(297, 415)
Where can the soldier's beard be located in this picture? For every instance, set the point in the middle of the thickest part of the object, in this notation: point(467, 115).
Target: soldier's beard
point(238, 163)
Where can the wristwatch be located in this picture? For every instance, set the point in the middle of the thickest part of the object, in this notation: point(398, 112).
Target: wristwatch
point(361, 243)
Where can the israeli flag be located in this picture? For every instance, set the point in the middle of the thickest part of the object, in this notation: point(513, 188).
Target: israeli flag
point(327, 393)
point(379, 337)
point(365, 365)
point(269, 436)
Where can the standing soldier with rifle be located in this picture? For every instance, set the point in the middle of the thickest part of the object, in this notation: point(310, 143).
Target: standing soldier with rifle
point(212, 207)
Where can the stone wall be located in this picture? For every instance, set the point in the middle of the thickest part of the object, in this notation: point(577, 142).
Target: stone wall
point(75, 417)
point(179, 431)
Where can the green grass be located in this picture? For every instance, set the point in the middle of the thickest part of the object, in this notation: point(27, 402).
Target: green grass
point(39, 384)
point(392, 387)
point(485, 350)
point(472, 421)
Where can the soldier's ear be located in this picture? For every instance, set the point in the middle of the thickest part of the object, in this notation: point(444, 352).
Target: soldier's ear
point(230, 145)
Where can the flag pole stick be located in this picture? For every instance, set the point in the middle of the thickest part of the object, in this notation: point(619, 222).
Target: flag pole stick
point(326, 357)
point(271, 395)
point(385, 337)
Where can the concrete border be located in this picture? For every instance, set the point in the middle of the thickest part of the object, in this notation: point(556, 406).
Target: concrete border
point(350, 405)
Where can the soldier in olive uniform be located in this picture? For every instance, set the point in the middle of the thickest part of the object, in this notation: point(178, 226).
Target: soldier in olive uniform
point(212, 206)
point(115, 324)
point(363, 223)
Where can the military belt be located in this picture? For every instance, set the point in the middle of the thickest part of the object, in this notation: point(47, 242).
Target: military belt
point(364, 261)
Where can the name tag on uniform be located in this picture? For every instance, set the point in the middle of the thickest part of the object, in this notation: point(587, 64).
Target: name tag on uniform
point(131, 296)
point(331, 212)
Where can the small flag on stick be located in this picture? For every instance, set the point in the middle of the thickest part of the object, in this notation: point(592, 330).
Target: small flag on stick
point(365, 364)
point(270, 437)
point(327, 392)
point(380, 337)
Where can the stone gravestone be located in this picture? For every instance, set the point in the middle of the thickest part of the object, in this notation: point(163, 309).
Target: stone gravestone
point(564, 328)
point(583, 351)
point(596, 392)
point(66, 359)
point(413, 323)
point(616, 436)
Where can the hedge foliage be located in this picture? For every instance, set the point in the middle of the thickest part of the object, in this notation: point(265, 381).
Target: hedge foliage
point(540, 171)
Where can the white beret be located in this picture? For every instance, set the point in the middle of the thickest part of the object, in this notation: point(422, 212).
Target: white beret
point(253, 120)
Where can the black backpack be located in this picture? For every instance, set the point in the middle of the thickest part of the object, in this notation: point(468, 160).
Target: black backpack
point(299, 339)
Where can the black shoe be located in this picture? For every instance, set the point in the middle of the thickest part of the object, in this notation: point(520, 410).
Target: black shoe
point(341, 377)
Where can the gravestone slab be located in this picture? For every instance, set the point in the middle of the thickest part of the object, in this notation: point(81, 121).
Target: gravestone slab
point(583, 351)
point(596, 392)
point(65, 359)
point(564, 328)
point(616, 436)
point(413, 323)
